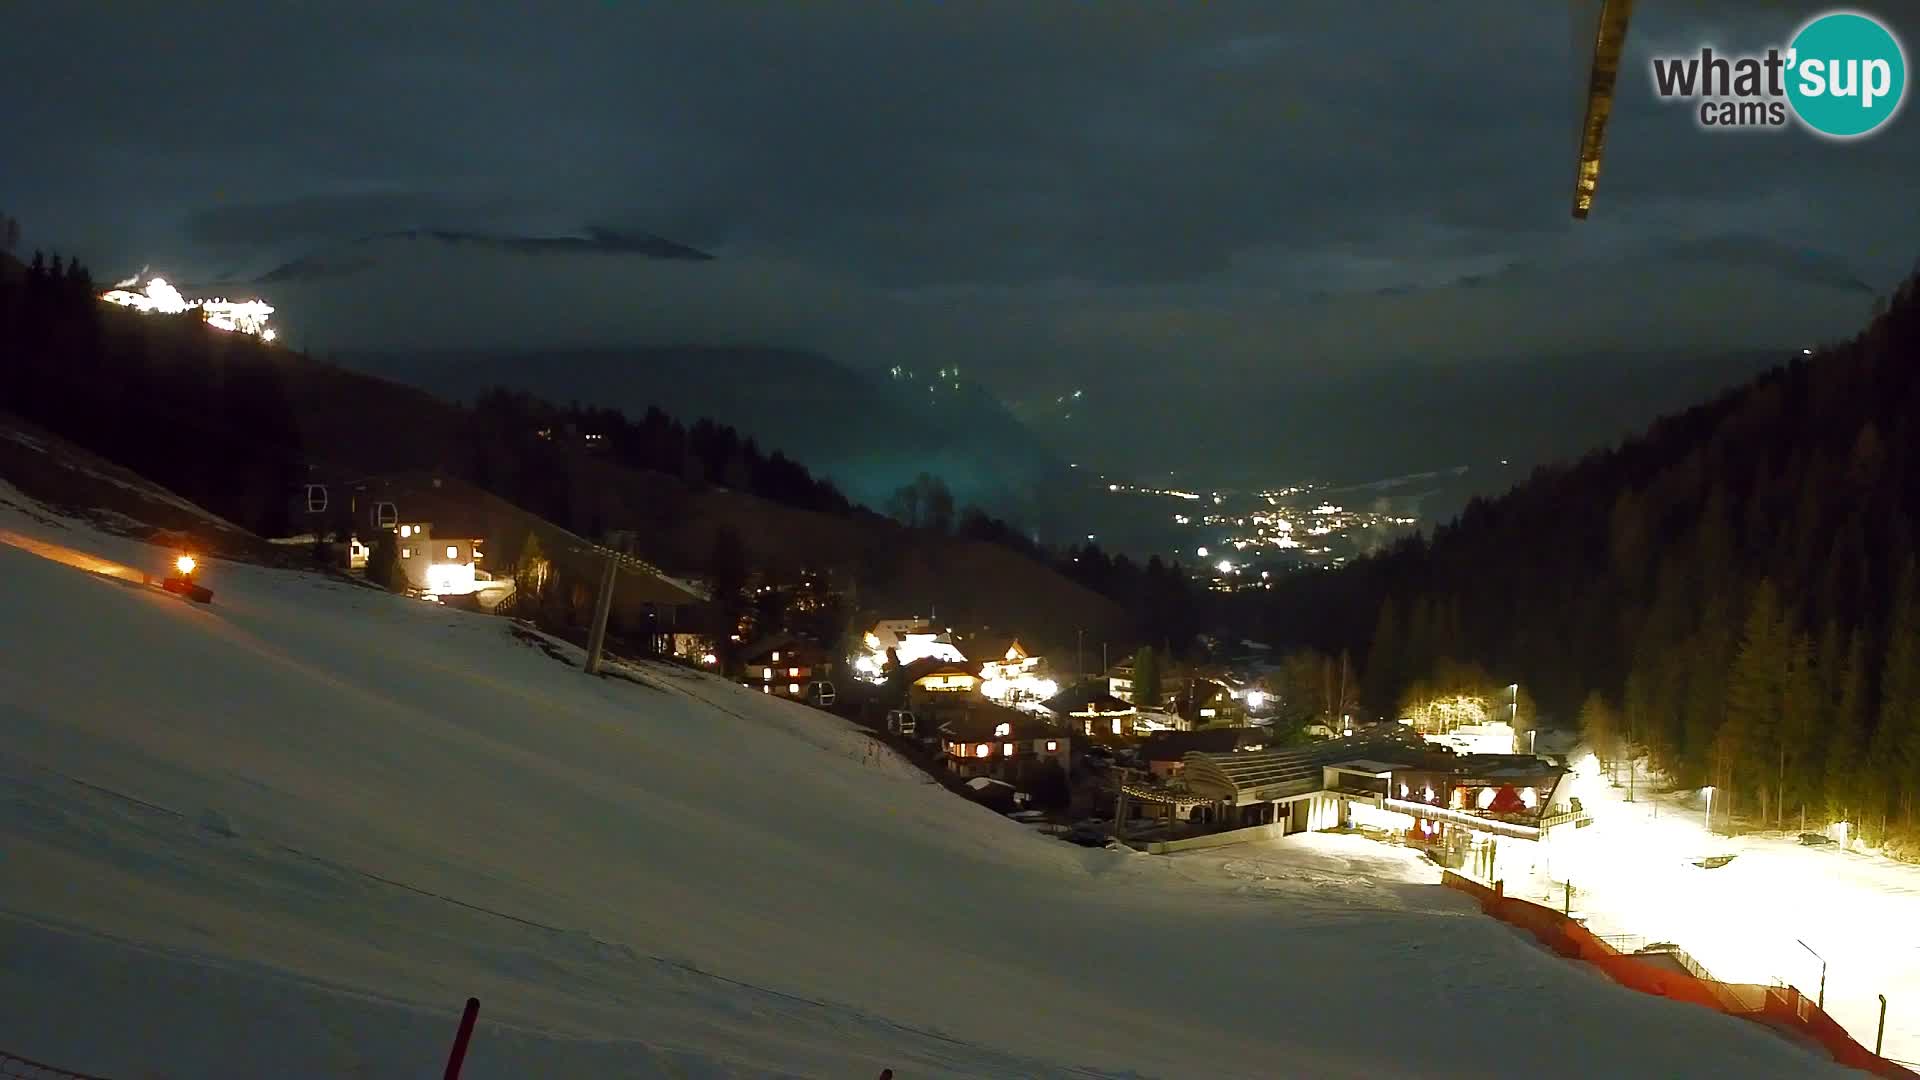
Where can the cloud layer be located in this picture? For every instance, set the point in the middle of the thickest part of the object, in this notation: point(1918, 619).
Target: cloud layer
point(1150, 201)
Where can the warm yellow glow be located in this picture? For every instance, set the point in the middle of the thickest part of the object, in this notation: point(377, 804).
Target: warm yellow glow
point(776, 657)
point(1052, 746)
point(244, 316)
point(185, 564)
point(983, 750)
point(793, 672)
point(406, 531)
point(1006, 749)
point(793, 688)
point(1003, 730)
point(766, 674)
point(455, 579)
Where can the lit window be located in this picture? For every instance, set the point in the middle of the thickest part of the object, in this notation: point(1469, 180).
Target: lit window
point(766, 674)
point(1116, 727)
point(1006, 749)
point(793, 672)
point(1052, 746)
point(406, 531)
point(776, 658)
point(406, 553)
point(983, 750)
point(453, 552)
point(1403, 791)
point(793, 688)
point(1003, 730)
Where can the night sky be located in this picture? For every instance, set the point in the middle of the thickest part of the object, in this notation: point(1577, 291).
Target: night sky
point(1165, 204)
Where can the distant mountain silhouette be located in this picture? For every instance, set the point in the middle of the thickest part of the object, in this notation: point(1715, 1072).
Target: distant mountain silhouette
point(870, 433)
point(348, 259)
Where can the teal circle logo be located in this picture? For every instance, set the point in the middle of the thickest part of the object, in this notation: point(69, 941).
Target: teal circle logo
point(1847, 75)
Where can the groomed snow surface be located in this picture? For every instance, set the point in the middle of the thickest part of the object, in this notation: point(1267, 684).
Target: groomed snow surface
point(289, 834)
point(1636, 872)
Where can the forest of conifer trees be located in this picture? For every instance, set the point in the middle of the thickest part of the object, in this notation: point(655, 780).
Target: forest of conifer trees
point(1734, 592)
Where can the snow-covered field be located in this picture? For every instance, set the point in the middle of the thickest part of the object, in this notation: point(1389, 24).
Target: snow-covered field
point(1634, 873)
point(288, 835)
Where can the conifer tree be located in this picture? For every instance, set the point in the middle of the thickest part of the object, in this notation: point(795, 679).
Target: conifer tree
point(1847, 733)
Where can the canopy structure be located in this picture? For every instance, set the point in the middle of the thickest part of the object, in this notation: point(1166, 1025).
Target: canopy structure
point(1266, 775)
point(1599, 39)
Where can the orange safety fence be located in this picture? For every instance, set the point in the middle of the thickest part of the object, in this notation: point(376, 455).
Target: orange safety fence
point(1776, 1006)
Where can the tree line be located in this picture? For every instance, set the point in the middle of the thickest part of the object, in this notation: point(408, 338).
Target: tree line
point(201, 411)
point(705, 453)
point(1732, 592)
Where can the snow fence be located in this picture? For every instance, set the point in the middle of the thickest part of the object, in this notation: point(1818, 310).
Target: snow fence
point(1781, 1007)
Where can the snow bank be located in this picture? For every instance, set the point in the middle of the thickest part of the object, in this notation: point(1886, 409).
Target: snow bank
point(290, 833)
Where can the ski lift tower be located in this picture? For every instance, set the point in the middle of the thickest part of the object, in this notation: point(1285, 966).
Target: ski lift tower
point(1599, 39)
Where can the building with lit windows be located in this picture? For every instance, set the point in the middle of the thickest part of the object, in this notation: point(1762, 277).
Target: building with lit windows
point(447, 565)
point(1004, 744)
point(1088, 710)
point(1488, 815)
point(784, 665)
point(896, 643)
point(1016, 676)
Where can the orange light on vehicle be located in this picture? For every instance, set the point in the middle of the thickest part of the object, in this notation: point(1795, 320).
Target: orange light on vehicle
point(185, 564)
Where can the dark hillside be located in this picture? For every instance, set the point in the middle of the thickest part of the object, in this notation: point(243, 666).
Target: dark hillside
point(1738, 583)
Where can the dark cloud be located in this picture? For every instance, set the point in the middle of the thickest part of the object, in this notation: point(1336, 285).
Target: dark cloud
point(1053, 196)
point(326, 218)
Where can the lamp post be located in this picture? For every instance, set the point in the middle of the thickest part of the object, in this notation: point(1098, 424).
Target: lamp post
point(1823, 973)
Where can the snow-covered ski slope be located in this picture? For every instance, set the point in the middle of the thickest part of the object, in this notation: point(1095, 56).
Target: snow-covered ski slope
point(289, 834)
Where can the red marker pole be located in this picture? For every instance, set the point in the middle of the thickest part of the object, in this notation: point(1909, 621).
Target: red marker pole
point(459, 1054)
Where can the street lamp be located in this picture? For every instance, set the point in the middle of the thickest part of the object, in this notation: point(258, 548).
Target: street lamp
point(1708, 792)
point(1823, 972)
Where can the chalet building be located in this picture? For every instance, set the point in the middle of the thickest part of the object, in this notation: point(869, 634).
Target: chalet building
point(1120, 684)
point(445, 564)
point(1002, 743)
point(892, 644)
point(784, 665)
point(1088, 710)
point(1165, 753)
point(1015, 675)
point(1206, 703)
point(647, 601)
point(931, 676)
point(1488, 815)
